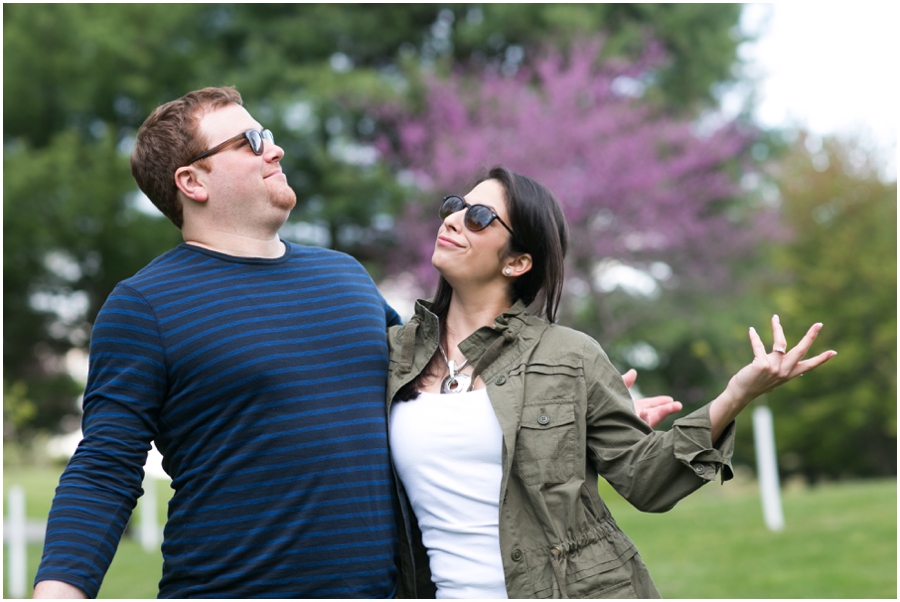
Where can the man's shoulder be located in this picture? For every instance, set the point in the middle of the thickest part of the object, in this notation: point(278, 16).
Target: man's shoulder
point(161, 267)
point(304, 252)
point(323, 260)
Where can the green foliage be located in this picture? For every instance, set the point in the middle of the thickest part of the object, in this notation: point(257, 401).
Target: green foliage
point(840, 269)
point(71, 232)
point(18, 410)
point(700, 38)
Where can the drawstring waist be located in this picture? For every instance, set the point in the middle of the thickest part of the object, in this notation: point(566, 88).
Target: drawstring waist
point(559, 552)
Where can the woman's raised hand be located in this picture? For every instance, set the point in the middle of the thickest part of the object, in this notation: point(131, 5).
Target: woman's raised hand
point(768, 371)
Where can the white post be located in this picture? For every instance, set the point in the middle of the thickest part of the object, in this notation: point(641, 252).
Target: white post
point(17, 560)
point(767, 468)
point(149, 531)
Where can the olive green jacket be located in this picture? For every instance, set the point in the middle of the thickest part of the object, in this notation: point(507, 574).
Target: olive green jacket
point(566, 418)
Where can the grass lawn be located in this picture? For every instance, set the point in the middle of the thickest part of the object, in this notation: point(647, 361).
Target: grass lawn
point(840, 541)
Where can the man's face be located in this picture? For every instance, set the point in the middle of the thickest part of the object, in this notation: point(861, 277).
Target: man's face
point(241, 183)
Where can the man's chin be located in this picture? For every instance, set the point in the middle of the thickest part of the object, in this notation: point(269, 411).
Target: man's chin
point(284, 199)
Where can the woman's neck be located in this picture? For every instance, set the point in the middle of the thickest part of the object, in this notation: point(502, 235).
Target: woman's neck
point(467, 314)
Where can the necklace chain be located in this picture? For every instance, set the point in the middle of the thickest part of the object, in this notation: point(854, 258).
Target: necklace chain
point(454, 369)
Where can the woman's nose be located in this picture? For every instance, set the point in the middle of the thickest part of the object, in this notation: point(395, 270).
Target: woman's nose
point(455, 220)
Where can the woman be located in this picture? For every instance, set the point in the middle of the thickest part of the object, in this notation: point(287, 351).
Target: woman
point(501, 421)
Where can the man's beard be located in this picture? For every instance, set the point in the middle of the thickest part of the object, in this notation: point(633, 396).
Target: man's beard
point(283, 197)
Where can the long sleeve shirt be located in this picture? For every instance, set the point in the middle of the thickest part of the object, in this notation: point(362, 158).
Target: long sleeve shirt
point(262, 382)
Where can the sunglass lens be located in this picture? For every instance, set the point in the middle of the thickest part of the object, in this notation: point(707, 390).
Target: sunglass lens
point(478, 217)
point(268, 136)
point(451, 205)
point(255, 141)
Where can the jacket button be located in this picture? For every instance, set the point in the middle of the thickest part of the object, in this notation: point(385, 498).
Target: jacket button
point(501, 380)
point(517, 554)
point(543, 419)
point(699, 469)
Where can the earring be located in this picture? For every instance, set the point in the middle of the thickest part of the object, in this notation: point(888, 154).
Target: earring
point(507, 271)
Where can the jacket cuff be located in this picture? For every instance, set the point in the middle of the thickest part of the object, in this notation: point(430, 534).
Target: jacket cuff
point(694, 446)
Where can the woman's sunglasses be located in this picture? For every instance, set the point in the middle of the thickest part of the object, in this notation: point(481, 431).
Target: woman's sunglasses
point(254, 137)
point(477, 218)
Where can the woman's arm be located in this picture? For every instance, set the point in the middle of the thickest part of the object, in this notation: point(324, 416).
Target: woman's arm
point(765, 373)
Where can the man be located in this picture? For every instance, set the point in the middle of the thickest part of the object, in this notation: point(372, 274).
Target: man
point(257, 366)
point(259, 369)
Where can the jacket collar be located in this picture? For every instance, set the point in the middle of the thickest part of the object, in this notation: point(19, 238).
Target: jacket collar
point(487, 343)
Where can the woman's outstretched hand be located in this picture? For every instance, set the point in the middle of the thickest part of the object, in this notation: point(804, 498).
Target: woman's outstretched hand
point(652, 410)
point(768, 371)
point(765, 373)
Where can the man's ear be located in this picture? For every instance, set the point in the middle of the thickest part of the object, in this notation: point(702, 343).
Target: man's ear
point(518, 265)
point(189, 183)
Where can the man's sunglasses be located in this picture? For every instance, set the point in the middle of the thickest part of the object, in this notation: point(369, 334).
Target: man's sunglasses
point(254, 137)
point(477, 218)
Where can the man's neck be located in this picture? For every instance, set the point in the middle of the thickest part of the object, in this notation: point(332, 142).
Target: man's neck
point(236, 245)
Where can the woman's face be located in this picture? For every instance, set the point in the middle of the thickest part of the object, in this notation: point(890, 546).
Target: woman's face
point(463, 256)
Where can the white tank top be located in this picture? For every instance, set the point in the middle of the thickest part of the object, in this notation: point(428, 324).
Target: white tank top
point(447, 450)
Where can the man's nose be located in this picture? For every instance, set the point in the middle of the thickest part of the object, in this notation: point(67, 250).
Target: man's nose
point(273, 152)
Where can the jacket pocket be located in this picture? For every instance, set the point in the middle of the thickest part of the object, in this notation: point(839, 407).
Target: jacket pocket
point(545, 445)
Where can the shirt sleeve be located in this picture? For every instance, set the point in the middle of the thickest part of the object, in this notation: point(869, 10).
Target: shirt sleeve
point(391, 316)
point(653, 470)
point(100, 486)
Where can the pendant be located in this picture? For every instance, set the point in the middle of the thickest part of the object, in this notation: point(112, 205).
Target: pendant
point(456, 383)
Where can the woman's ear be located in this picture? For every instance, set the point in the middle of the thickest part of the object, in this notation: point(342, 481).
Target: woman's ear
point(188, 182)
point(518, 265)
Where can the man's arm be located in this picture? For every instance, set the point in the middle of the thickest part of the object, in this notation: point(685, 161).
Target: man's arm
point(100, 486)
point(58, 590)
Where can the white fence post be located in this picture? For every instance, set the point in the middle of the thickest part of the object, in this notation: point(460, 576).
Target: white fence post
point(17, 561)
point(149, 531)
point(767, 468)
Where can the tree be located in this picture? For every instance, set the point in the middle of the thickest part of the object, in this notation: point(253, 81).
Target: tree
point(80, 78)
point(638, 186)
point(840, 268)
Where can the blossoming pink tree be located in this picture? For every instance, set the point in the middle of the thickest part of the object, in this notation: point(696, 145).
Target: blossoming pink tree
point(636, 185)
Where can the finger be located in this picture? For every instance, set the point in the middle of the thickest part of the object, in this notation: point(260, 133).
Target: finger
point(779, 343)
point(759, 350)
point(655, 402)
point(661, 413)
point(812, 363)
point(806, 342)
point(629, 377)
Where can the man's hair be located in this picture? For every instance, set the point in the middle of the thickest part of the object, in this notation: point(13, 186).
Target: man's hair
point(166, 141)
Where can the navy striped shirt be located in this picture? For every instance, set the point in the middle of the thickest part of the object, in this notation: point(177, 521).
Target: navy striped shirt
point(262, 382)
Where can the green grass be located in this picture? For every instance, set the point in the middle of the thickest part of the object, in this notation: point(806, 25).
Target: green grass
point(840, 541)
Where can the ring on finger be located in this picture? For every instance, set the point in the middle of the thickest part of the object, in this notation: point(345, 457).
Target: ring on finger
point(779, 350)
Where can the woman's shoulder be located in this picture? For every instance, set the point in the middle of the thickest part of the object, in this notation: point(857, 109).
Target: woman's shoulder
point(570, 338)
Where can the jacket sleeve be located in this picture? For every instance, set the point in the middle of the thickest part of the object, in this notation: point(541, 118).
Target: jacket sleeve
point(101, 484)
point(653, 470)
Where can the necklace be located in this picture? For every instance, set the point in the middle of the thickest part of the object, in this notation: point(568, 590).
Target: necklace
point(455, 382)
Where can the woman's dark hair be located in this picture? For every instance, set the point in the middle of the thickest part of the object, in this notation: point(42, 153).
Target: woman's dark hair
point(540, 229)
